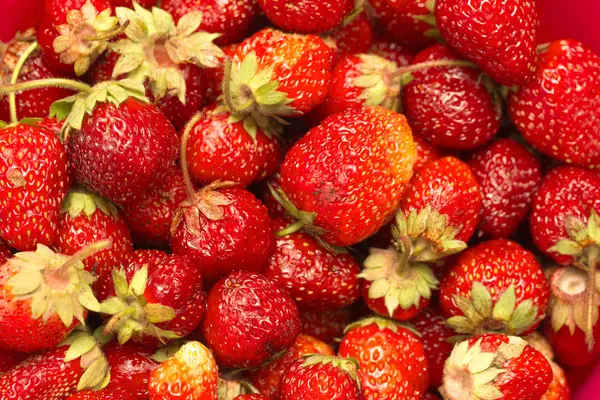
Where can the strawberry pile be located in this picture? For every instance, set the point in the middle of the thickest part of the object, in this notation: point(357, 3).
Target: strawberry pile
point(297, 200)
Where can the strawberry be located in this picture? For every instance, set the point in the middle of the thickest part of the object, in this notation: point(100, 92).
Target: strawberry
point(87, 218)
point(383, 47)
point(331, 183)
point(306, 16)
point(190, 374)
point(391, 358)
point(33, 185)
point(76, 364)
point(130, 368)
point(435, 336)
point(267, 377)
point(500, 37)
point(73, 34)
point(451, 107)
point(321, 377)
point(353, 35)
point(43, 296)
point(496, 285)
point(326, 326)
point(10, 359)
point(496, 366)
point(559, 387)
point(51, 123)
point(509, 175)
point(163, 301)
point(564, 90)
point(104, 394)
point(249, 319)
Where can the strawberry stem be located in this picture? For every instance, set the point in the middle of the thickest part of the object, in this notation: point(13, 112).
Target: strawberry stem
point(295, 227)
point(189, 188)
point(12, 97)
point(108, 35)
point(86, 252)
point(45, 83)
point(591, 293)
point(432, 64)
point(542, 47)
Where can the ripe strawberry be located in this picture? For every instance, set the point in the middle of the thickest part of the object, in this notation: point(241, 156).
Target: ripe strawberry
point(248, 320)
point(451, 107)
point(10, 359)
point(558, 111)
point(267, 377)
point(496, 366)
point(306, 16)
point(559, 387)
point(495, 286)
point(130, 368)
point(87, 218)
point(33, 185)
point(391, 358)
point(346, 177)
point(164, 299)
point(104, 394)
point(326, 326)
point(73, 34)
point(354, 35)
point(434, 335)
point(390, 50)
point(76, 364)
point(509, 175)
point(321, 377)
point(500, 37)
point(190, 374)
point(43, 296)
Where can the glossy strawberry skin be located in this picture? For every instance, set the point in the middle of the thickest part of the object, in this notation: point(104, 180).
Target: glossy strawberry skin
point(130, 368)
point(392, 362)
point(294, 57)
point(34, 183)
point(571, 349)
point(565, 191)
point(509, 176)
point(425, 152)
point(326, 326)
point(567, 78)
point(390, 50)
point(339, 174)
point(105, 394)
point(248, 320)
point(306, 16)
point(353, 37)
point(133, 144)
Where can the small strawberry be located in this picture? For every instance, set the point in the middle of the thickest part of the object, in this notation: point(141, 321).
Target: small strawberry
point(43, 296)
point(452, 106)
point(384, 47)
point(104, 394)
point(130, 368)
point(509, 175)
point(321, 377)
point(87, 218)
point(267, 377)
point(495, 286)
point(495, 366)
point(558, 112)
point(249, 319)
point(500, 37)
point(190, 374)
point(354, 35)
point(306, 16)
point(326, 326)
point(392, 359)
point(10, 359)
point(163, 300)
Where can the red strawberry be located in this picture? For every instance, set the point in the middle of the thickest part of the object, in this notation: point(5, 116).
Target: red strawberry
point(51, 123)
point(306, 16)
point(76, 364)
point(434, 335)
point(509, 175)
point(326, 326)
point(500, 37)
point(190, 374)
point(558, 111)
point(346, 177)
point(248, 320)
point(392, 51)
point(267, 377)
point(321, 377)
point(87, 218)
point(10, 359)
point(496, 366)
point(559, 387)
point(392, 359)
point(496, 285)
point(451, 107)
point(105, 394)
point(130, 368)
point(425, 152)
point(33, 185)
point(154, 298)
point(43, 296)
point(354, 35)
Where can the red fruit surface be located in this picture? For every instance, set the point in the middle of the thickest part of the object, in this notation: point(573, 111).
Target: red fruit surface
point(251, 397)
point(425, 152)
point(248, 320)
point(325, 325)
point(354, 36)
point(306, 16)
point(5, 252)
point(9, 359)
point(390, 50)
point(378, 305)
point(571, 349)
point(129, 3)
point(130, 368)
point(105, 394)
point(559, 387)
point(52, 124)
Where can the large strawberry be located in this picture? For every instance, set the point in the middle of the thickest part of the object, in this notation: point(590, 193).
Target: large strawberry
point(87, 218)
point(306, 16)
point(495, 366)
point(345, 178)
point(130, 367)
point(495, 286)
point(104, 394)
point(154, 298)
point(248, 320)
point(43, 296)
point(509, 176)
point(558, 112)
point(499, 36)
point(391, 358)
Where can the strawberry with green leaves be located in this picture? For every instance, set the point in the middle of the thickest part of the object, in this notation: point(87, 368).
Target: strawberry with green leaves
point(306, 16)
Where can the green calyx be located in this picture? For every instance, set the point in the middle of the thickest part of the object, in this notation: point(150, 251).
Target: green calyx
point(85, 36)
point(349, 365)
point(82, 345)
point(80, 200)
point(229, 389)
point(481, 315)
point(382, 323)
point(398, 282)
point(380, 81)
point(583, 243)
point(131, 313)
point(430, 20)
point(155, 48)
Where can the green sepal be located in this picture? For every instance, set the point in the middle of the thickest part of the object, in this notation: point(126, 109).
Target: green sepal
point(80, 200)
point(379, 81)
point(583, 241)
